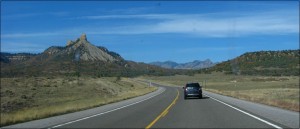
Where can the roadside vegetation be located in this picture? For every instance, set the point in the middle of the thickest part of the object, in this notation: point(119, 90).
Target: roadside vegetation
point(279, 91)
point(25, 99)
point(264, 63)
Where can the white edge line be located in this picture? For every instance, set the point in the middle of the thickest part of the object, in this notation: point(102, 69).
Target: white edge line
point(262, 120)
point(107, 111)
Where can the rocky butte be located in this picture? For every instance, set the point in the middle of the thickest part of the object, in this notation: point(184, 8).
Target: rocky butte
point(86, 50)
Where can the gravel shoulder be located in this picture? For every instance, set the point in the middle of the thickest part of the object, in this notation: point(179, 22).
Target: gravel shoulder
point(285, 117)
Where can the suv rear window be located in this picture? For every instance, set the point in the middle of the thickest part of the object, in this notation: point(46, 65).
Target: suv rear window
point(193, 85)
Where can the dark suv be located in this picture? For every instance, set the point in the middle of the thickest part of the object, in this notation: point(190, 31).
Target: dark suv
point(192, 90)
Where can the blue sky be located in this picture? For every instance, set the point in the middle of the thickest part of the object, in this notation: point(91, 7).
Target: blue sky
point(147, 31)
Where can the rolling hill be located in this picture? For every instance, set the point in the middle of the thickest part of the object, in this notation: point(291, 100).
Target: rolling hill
point(274, 63)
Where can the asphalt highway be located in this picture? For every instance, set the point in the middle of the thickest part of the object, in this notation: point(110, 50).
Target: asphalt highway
point(170, 110)
point(167, 109)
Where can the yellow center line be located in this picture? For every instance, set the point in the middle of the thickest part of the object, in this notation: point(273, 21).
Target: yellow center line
point(165, 112)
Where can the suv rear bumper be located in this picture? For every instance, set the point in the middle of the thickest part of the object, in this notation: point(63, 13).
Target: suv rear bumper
point(193, 94)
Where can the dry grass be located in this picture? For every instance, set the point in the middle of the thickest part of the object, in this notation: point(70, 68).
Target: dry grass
point(284, 98)
point(281, 92)
point(24, 99)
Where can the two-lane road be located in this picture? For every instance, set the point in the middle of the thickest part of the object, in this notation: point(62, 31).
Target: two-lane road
point(165, 111)
point(206, 113)
point(168, 109)
point(135, 116)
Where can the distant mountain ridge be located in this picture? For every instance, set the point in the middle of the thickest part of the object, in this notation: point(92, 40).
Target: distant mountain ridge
point(197, 64)
point(78, 57)
point(15, 57)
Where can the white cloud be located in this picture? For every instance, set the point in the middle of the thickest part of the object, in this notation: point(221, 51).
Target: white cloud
point(205, 25)
point(21, 47)
point(209, 49)
point(21, 35)
point(34, 15)
point(134, 10)
point(141, 16)
point(224, 24)
point(228, 27)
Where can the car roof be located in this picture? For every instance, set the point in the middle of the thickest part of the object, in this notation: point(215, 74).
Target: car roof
point(192, 83)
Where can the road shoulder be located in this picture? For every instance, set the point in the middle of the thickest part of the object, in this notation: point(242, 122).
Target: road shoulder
point(61, 119)
point(281, 116)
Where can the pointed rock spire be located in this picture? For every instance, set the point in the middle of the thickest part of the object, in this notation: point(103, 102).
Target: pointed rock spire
point(83, 37)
